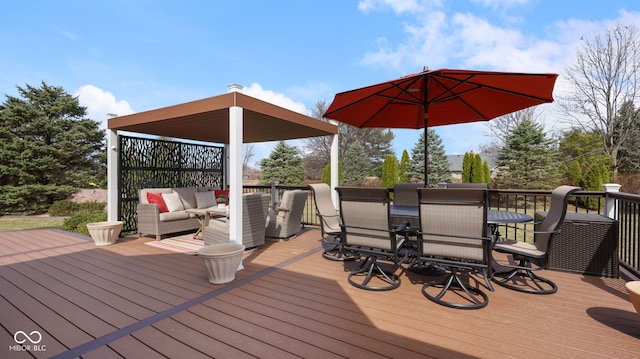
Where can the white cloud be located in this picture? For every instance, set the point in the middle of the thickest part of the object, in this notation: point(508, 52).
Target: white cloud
point(99, 103)
point(398, 6)
point(255, 90)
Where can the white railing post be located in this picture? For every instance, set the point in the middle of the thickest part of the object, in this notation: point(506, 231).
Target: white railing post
point(611, 204)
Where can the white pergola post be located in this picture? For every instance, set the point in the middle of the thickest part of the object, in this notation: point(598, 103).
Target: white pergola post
point(235, 173)
point(112, 175)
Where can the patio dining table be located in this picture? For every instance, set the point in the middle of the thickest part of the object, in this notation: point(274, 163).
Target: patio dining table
point(494, 217)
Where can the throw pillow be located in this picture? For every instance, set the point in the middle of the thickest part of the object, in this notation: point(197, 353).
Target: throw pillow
point(173, 201)
point(156, 198)
point(205, 199)
point(222, 196)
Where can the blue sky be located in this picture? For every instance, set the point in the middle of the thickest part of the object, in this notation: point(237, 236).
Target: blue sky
point(130, 56)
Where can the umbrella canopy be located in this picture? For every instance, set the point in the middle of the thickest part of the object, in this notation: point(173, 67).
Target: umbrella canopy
point(441, 97)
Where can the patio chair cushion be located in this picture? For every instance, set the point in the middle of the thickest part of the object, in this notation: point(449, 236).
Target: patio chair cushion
point(205, 199)
point(156, 198)
point(173, 201)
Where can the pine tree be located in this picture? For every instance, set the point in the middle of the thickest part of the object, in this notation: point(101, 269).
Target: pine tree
point(47, 148)
point(528, 160)
point(357, 165)
point(283, 165)
point(438, 163)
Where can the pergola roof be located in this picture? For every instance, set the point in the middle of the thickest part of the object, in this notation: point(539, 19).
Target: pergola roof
point(208, 120)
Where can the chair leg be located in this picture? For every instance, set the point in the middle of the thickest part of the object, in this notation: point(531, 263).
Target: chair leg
point(334, 251)
point(371, 269)
point(529, 281)
point(453, 285)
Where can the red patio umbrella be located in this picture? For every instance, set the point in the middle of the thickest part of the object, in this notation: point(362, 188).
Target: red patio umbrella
point(441, 97)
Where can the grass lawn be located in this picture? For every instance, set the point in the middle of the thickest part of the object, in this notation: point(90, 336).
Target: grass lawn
point(22, 223)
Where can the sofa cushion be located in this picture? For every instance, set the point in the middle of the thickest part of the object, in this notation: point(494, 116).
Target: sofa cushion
point(188, 196)
point(224, 193)
point(156, 198)
point(172, 216)
point(142, 194)
point(205, 199)
point(173, 201)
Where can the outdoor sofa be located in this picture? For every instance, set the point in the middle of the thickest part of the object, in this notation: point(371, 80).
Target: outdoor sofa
point(157, 221)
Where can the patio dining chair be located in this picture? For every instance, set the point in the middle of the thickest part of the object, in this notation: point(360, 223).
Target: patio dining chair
point(367, 231)
point(329, 223)
point(453, 234)
point(406, 194)
point(534, 256)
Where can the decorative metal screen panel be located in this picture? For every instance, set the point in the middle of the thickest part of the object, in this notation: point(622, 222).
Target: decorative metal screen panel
point(149, 163)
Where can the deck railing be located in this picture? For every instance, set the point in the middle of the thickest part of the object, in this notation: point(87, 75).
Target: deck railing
point(623, 207)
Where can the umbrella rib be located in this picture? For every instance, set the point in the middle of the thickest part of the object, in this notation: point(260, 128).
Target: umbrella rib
point(458, 96)
point(468, 81)
point(394, 100)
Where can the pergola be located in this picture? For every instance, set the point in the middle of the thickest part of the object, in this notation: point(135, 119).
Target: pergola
point(232, 119)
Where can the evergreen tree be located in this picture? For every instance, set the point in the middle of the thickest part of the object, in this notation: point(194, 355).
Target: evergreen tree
point(283, 165)
point(389, 171)
point(477, 171)
point(47, 149)
point(466, 167)
point(438, 163)
point(487, 172)
point(584, 148)
point(326, 174)
point(575, 173)
point(357, 165)
point(528, 160)
point(403, 168)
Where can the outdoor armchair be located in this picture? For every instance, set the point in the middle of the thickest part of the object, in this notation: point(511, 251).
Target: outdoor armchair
point(254, 216)
point(533, 256)
point(453, 234)
point(285, 220)
point(367, 231)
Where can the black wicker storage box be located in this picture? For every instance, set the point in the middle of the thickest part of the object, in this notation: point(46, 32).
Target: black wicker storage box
point(587, 243)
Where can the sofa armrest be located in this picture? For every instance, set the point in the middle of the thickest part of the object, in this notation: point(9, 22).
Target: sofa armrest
point(148, 209)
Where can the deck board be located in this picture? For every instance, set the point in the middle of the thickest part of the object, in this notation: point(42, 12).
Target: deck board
point(133, 300)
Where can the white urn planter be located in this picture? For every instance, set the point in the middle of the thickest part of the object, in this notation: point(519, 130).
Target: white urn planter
point(221, 260)
point(633, 289)
point(104, 233)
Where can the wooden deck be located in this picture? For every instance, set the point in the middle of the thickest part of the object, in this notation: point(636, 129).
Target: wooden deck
point(135, 301)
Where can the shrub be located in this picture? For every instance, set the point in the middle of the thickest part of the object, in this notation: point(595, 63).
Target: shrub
point(78, 222)
point(93, 206)
point(64, 208)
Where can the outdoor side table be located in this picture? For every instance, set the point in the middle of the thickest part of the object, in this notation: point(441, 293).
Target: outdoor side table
point(587, 244)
